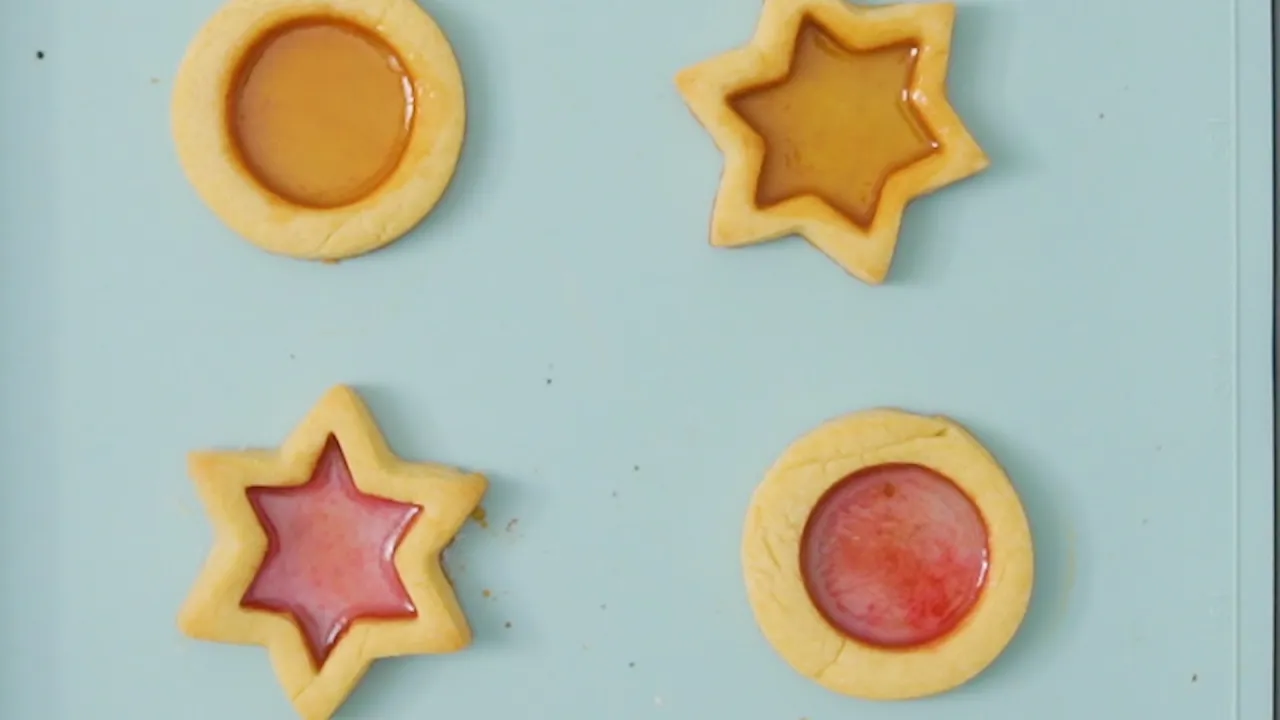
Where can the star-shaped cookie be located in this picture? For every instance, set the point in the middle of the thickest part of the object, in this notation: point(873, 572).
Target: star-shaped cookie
point(327, 552)
point(831, 120)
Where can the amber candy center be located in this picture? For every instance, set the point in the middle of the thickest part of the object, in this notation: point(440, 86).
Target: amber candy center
point(894, 555)
point(838, 125)
point(320, 111)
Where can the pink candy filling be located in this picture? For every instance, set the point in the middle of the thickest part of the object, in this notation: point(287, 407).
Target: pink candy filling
point(894, 555)
point(329, 554)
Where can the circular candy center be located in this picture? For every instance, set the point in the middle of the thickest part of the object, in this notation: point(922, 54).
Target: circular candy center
point(320, 112)
point(894, 555)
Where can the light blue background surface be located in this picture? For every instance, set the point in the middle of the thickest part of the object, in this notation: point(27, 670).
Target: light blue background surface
point(1095, 307)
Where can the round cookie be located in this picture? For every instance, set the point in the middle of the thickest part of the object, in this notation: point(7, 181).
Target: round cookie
point(887, 556)
point(319, 129)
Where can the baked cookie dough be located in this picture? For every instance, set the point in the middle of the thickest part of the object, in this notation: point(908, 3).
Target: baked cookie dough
point(831, 120)
point(319, 129)
point(887, 556)
point(327, 552)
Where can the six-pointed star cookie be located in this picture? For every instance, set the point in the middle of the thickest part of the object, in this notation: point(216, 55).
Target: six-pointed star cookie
point(831, 119)
point(327, 552)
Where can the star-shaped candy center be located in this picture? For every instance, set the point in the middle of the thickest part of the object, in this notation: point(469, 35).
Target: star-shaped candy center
point(838, 125)
point(329, 559)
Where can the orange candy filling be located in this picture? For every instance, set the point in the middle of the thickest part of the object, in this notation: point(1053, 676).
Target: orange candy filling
point(320, 112)
point(838, 125)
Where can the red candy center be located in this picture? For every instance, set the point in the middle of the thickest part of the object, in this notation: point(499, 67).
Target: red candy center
point(894, 555)
point(329, 553)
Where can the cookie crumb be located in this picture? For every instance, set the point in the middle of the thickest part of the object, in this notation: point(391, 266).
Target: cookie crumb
point(480, 517)
point(486, 593)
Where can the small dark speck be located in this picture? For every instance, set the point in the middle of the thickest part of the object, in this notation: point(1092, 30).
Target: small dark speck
point(39, 54)
point(507, 624)
point(1101, 116)
point(1144, 521)
point(604, 607)
point(292, 356)
point(548, 381)
point(635, 468)
point(1194, 677)
point(615, 493)
point(155, 81)
point(631, 664)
